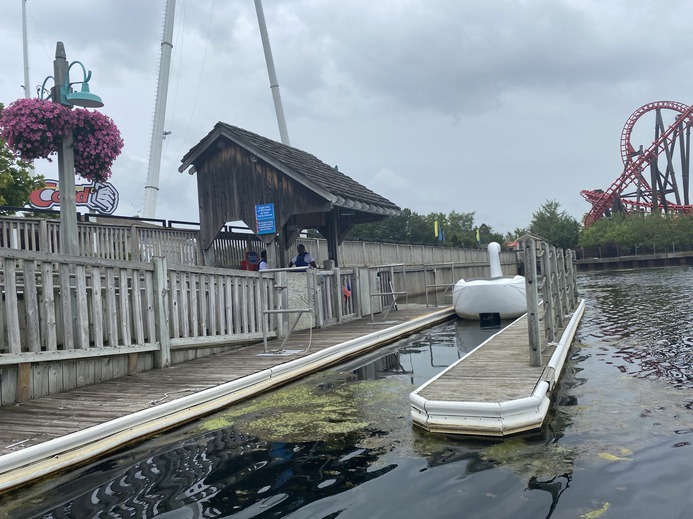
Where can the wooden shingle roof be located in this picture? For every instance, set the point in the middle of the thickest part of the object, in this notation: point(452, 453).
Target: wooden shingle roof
point(338, 188)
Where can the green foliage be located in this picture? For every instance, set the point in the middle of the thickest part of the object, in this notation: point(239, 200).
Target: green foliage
point(459, 229)
point(518, 232)
point(557, 228)
point(652, 231)
point(16, 180)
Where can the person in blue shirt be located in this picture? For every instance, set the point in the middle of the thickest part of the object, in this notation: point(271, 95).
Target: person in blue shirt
point(303, 258)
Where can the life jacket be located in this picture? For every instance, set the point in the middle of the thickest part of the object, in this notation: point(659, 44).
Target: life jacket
point(300, 261)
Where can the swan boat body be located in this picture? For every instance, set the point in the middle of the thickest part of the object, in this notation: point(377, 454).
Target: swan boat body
point(498, 294)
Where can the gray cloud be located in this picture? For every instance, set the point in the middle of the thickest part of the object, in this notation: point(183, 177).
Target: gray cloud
point(489, 107)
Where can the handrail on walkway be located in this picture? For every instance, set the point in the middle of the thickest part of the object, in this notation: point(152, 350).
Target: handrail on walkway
point(280, 287)
point(435, 286)
point(550, 271)
point(392, 293)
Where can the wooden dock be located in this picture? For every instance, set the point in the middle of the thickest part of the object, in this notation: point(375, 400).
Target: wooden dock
point(493, 390)
point(56, 432)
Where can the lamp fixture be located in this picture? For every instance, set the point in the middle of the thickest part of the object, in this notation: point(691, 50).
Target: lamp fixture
point(68, 97)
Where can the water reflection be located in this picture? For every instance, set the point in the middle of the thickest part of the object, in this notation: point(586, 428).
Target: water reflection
point(639, 314)
point(215, 475)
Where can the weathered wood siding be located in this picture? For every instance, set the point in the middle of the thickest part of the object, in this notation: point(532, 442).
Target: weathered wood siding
point(230, 182)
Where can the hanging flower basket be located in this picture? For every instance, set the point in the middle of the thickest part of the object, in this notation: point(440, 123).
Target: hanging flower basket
point(33, 128)
point(97, 143)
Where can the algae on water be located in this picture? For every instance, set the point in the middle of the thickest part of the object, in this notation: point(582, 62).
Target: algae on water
point(330, 406)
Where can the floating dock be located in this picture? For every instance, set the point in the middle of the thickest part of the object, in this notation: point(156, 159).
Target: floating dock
point(493, 391)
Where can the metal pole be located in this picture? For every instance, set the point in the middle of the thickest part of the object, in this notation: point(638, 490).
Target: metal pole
point(27, 92)
point(151, 190)
point(274, 83)
point(66, 165)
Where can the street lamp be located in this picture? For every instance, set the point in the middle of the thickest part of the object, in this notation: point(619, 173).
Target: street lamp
point(63, 93)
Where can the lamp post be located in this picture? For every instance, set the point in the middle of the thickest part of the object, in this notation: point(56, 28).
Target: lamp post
point(62, 93)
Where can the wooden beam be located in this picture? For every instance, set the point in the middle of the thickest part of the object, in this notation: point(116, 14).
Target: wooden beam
point(23, 382)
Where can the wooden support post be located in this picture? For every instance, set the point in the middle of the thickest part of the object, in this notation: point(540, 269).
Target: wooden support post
point(572, 278)
point(23, 382)
point(530, 258)
point(313, 299)
point(132, 363)
point(549, 290)
point(44, 245)
point(134, 244)
point(337, 295)
point(162, 358)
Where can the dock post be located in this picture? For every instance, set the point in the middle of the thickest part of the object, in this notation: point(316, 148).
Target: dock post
point(548, 291)
point(162, 357)
point(530, 259)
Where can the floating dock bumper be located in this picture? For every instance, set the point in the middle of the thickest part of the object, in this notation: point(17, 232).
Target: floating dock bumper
point(496, 419)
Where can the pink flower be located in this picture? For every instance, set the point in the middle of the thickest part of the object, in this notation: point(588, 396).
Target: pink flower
point(33, 128)
point(97, 143)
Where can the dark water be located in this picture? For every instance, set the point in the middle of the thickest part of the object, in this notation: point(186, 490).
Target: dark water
point(340, 444)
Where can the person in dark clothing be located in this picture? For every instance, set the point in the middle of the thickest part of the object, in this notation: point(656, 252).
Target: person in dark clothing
point(263, 261)
point(303, 258)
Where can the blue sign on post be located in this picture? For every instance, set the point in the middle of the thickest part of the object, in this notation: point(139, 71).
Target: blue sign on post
point(264, 216)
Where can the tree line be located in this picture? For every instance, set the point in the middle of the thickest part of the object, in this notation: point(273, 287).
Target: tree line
point(616, 235)
point(460, 229)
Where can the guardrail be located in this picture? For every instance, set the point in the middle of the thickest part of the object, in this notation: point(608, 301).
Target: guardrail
point(132, 239)
point(69, 321)
point(551, 272)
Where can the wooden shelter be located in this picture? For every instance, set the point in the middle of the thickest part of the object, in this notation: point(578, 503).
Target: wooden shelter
point(239, 171)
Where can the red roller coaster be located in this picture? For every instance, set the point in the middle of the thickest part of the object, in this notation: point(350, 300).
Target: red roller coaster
point(667, 189)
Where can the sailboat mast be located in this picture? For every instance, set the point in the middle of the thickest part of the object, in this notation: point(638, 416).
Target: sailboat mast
point(151, 189)
point(274, 84)
point(27, 89)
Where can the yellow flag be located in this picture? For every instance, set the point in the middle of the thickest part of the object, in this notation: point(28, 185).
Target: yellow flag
point(435, 228)
point(477, 236)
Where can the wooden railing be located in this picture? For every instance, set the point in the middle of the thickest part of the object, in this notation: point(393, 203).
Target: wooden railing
point(68, 321)
point(59, 307)
point(211, 305)
point(133, 240)
point(551, 283)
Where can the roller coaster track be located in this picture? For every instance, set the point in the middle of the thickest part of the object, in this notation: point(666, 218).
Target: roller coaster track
point(603, 202)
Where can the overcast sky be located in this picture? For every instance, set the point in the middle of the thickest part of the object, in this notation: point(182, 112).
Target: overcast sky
point(486, 106)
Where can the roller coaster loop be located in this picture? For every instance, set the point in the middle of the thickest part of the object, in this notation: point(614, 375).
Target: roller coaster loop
point(668, 188)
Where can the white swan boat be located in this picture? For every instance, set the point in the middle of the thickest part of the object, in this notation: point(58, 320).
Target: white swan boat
point(498, 294)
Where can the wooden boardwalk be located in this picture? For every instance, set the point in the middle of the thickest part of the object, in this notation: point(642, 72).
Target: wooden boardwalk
point(505, 357)
point(493, 390)
point(39, 424)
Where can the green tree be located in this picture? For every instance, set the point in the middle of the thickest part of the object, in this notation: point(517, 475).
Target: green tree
point(556, 227)
point(653, 232)
point(16, 179)
point(461, 231)
point(458, 229)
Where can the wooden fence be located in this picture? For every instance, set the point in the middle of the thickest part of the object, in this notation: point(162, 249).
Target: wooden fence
point(67, 322)
point(138, 241)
